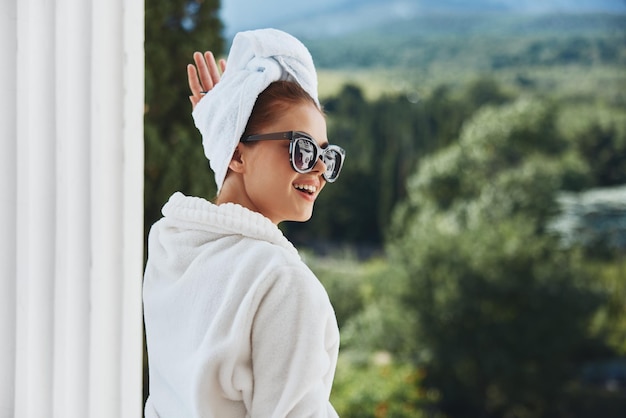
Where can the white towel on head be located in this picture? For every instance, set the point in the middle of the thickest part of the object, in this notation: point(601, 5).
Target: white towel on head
point(256, 59)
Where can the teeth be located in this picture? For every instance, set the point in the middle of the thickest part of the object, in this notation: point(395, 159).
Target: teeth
point(306, 187)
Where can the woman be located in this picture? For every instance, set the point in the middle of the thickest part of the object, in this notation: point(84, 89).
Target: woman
point(236, 324)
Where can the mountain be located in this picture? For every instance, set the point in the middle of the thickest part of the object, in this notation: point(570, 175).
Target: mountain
point(324, 18)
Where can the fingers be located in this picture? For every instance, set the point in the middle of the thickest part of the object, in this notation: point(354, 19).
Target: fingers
point(204, 75)
point(212, 76)
point(194, 85)
point(192, 77)
point(207, 69)
point(203, 70)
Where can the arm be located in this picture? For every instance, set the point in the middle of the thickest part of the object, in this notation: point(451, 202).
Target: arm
point(204, 75)
point(295, 340)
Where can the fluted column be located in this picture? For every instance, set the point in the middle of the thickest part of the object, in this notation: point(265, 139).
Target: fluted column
point(71, 174)
point(8, 209)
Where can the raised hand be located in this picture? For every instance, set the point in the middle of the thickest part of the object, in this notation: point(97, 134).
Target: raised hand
point(204, 75)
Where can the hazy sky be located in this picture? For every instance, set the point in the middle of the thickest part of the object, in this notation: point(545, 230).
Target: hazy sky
point(251, 14)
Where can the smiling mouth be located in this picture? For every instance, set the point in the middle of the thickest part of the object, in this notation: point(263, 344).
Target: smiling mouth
point(306, 188)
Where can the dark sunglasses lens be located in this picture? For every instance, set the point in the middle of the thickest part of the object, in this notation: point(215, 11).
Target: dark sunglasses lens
point(332, 160)
point(304, 154)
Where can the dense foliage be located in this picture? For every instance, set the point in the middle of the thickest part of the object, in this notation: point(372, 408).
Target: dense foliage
point(174, 157)
point(480, 299)
point(489, 287)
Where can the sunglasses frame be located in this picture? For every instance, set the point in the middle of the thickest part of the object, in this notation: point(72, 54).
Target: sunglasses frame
point(292, 136)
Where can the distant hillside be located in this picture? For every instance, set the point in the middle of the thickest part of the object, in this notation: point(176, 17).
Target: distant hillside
point(485, 40)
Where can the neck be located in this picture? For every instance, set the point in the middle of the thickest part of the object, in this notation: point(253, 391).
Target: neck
point(233, 191)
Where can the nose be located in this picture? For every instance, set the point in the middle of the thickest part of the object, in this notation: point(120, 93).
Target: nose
point(320, 165)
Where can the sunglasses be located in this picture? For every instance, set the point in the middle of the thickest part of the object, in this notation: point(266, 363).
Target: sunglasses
point(304, 152)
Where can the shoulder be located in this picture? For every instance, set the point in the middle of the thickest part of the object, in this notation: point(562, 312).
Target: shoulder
point(294, 284)
point(276, 264)
point(279, 270)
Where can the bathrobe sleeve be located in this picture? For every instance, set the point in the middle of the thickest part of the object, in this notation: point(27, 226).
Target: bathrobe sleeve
point(295, 341)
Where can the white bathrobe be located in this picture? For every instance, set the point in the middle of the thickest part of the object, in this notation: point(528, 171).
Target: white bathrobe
point(236, 324)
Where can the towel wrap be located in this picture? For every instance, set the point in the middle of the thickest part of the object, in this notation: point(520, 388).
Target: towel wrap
point(256, 59)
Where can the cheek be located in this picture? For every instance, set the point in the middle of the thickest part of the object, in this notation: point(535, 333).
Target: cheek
point(277, 163)
point(270, 170)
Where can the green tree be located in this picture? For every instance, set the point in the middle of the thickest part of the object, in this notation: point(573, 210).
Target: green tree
point(604, 149)
point(173, 151)
point(501, 311)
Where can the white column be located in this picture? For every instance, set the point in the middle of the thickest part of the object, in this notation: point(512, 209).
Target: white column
point(8, 209)
point(132, 227)
point(36, 207)
point(71, 172)
point(106, 198)
point(73, 121)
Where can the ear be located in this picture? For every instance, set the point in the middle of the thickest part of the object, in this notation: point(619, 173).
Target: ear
point(236, 163)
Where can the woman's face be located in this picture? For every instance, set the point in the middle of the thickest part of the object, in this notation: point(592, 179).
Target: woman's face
point(271, 186)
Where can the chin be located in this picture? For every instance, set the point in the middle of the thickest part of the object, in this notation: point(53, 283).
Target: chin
point(302, 218)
